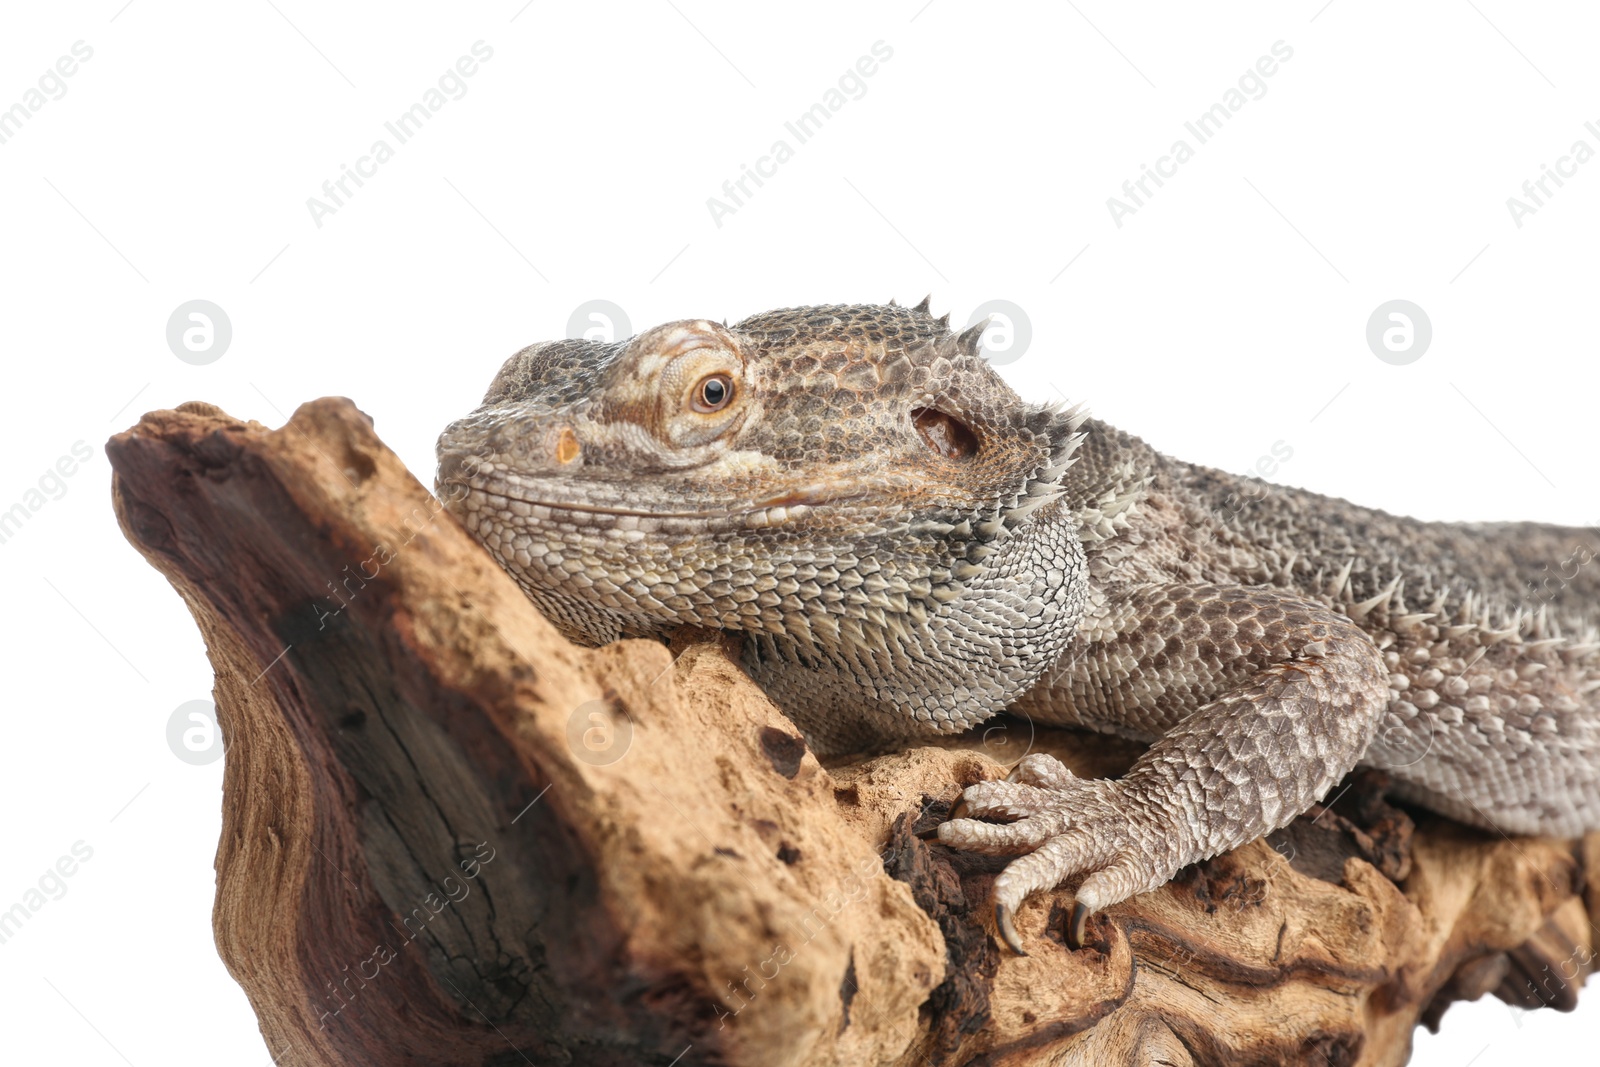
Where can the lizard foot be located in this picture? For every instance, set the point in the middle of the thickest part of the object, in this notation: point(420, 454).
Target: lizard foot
point(1067, 826)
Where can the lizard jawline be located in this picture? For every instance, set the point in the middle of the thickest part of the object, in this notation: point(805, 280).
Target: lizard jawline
point(793, 504)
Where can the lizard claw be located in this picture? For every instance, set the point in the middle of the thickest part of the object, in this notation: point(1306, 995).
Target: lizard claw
point(1077, 926)
point(1008, 928)
point(1004, 920)
point(1093, 829)
point(958, 810)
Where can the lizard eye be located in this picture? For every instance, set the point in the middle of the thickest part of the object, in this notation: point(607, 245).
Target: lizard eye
point(713, 393)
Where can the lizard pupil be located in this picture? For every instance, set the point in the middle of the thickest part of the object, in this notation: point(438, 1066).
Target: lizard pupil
point(714, 393)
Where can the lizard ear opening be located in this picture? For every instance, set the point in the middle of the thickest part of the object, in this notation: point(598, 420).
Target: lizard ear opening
point(945, 434)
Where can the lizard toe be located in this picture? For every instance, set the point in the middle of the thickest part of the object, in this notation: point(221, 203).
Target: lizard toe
point(1114, 874)
point(1057, 859)
point(989, 838)
point(1042, 770)
point(1003, 799)
point(1128, 874)
point(1090, 831)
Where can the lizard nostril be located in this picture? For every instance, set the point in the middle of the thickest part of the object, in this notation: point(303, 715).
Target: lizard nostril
point(567, 447)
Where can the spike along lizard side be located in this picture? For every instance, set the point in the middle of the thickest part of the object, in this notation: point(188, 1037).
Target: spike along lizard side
point(909, 548)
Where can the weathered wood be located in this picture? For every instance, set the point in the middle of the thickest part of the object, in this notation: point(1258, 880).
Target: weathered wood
point(450, 837)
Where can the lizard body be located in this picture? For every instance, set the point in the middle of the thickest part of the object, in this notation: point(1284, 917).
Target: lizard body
point(909, 548)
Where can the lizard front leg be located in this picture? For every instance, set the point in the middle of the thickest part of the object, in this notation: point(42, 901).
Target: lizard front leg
point(1257, 701)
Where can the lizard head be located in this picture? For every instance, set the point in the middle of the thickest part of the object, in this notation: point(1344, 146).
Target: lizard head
point(801, 467)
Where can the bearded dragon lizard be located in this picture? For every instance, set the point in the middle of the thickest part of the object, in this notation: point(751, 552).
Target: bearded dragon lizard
point(908, 548)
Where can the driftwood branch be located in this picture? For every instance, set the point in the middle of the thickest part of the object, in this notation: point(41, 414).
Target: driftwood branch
point(450, 837)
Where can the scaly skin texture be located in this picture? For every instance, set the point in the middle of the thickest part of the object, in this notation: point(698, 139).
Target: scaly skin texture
point(909, 548)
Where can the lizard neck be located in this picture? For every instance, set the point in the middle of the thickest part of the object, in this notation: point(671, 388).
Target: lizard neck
point(939, 670)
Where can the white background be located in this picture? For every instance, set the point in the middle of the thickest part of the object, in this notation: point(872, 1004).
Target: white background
point(1226, 315)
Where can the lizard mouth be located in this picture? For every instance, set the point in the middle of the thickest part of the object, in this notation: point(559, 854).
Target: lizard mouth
point(769, 511)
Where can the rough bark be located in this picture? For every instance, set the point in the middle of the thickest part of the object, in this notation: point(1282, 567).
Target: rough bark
point(450, 837)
